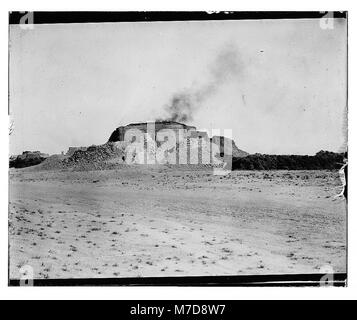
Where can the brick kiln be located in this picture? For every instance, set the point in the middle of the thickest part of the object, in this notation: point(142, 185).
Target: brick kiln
point(226, 145)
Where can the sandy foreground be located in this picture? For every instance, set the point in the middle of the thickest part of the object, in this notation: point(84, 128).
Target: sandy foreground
point(158, 221)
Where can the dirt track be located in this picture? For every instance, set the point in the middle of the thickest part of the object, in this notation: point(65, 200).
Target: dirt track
point(167, 222)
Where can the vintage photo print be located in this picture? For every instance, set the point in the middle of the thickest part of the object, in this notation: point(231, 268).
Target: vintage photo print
point(177, 148)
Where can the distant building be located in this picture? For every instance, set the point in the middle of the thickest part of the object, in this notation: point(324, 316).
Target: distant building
point(27, 158)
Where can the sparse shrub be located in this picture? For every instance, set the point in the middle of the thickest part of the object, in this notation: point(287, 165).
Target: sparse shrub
point(323, 160)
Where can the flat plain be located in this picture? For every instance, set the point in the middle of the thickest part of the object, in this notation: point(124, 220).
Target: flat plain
point(157, 221)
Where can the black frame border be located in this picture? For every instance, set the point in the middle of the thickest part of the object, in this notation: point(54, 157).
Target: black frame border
point(51, 17)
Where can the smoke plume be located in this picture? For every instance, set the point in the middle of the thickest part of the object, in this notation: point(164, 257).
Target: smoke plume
point(224, 68)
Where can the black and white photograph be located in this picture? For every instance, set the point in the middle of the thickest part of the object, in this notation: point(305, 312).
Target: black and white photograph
point(177, 148)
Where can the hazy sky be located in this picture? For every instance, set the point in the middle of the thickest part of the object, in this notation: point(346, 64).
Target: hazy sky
point(280, 85)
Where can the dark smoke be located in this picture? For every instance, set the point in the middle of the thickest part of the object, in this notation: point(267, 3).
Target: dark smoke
point(224, 68)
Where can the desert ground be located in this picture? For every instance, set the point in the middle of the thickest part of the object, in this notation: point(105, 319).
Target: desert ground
point(161, 221)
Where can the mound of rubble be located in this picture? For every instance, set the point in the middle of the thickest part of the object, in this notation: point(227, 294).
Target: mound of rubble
point(92, 158)
point(97, 157)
